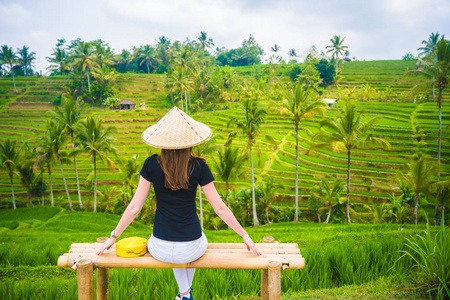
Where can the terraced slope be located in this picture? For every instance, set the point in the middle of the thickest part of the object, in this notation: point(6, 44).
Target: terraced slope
point(371, 169)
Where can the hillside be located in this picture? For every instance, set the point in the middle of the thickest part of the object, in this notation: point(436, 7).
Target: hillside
point(23, 116)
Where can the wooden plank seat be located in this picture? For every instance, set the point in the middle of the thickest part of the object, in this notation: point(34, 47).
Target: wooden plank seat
point(275, 257)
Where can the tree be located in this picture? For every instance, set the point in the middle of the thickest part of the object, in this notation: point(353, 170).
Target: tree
point(229, 165)
point(9, 57)
point(68, 117)
point(130, 173)
point(26, 59)
point(59, 62)
point(309, 77)
point(27, 177)
point(275, 48)
point(97, 141)
point(9, 161)
point(104, 54)
point(205, 42)
point(329, 193)
point(430, 44)
point(292, 54)
point(268, 190)
point(421, 174)
point(146, 55)
point(299, 105)
point(84, 59)
point(105, 77)
point(125, 58)
point(253, 115)
point(56, 135)
point(347, 131)
point(437, 71)
point(443, 189)
point(337, 48)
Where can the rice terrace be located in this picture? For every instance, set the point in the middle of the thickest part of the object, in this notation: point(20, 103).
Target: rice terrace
point(347, 158)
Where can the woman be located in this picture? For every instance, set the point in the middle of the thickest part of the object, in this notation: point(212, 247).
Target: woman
point(175, 174)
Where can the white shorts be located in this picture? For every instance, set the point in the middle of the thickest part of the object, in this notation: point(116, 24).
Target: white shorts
point(177, 252)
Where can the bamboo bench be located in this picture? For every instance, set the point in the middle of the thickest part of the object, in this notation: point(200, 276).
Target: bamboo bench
point(275, 257)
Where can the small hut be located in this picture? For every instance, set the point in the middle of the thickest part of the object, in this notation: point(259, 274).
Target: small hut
point(330, 102)
point(127, 104)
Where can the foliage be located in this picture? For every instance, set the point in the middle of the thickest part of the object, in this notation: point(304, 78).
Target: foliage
point(430, 253)
point(408, 56)
point(326, 70)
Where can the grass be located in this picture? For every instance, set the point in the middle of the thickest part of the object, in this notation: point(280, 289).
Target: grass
point(341, 260)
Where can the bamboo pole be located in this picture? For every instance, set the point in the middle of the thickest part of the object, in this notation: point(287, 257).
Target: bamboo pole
point(85, 278)
point(102, 284)
point(265, 272)
point(207, 261)
point(275, 280)
point(243, 251)
point(275, 245)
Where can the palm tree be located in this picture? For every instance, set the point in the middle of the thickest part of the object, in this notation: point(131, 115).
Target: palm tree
point(437, 71)
point(26, 59)
point(130, 173)
point(443, 189)
point(59, 62)
point(163, 46)
point(27, 177)
point(299, 105)
point(84, 59)
point(421, 174)
point(97, 141)
point(275, 48)
point(348, 131)
point(229, 165)
point(204, 41)
point(337, 47)
point(104, 55)
point(146, 54)
point(292, 53)
point(198, 151)
point(69, 116)
point(125, 58)
point(56, 135)
point(329, 193)
point(253, 115)
point(9, 160)
point(429, 47)
point(268, 190)
point(8, 57)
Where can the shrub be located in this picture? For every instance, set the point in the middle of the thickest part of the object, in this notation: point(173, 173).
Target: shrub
point(431, 256)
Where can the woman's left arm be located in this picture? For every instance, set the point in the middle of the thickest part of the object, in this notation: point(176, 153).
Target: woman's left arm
point(132, 210)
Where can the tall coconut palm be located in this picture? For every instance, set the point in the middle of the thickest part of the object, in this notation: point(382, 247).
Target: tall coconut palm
point(56, 135)
point(84, 59)
point(443, 189)
point(104, 55)
point(9, 161)
point(26, 59)
point(429, 46)
point(337, 48)
point(9, 57)
point(253, 115)
point(330, 194)
point(125, 58)
point(437, 71)
point(299, 105)
point(97, 141)
point(268, 190)
point(198, 151)
point(205, 42)
point(69, 116)
point(421, 174)
point(146, 54)
point(59, 62)
point(348, 130)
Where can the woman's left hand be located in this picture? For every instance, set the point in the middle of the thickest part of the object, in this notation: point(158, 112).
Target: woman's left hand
point(106, 245)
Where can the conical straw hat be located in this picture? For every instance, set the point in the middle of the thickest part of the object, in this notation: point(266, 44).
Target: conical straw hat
point(176, 130)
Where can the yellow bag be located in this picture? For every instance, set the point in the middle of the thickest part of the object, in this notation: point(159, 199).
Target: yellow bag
point(131, 247)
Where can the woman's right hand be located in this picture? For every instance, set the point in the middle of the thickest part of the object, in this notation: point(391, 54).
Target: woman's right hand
point(106, 245)
point(251, 245)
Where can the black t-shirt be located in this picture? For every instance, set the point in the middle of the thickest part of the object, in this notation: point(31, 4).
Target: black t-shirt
point(176, 214)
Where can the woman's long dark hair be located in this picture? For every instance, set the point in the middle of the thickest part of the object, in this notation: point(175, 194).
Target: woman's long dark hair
point(177, 165)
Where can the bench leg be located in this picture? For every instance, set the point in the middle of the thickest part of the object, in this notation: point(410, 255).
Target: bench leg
point(275, 280)
point(264, 284)
point(85, 278)
point(102, 284)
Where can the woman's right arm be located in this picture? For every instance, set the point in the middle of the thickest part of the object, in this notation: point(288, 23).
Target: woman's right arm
point(132, 210)
point(227, 216)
